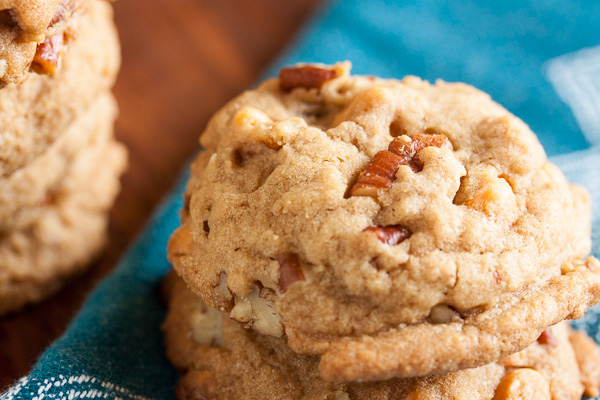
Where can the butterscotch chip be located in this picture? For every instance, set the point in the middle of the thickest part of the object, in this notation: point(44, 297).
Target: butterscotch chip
point(490, 224)
point(247, 365)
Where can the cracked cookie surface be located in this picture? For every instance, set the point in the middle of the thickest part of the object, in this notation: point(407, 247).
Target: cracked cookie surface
point(351, 212)
point(220, 359)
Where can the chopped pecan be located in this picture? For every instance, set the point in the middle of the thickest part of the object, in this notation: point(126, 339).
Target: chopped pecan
point(547, 338)
point(206, 325)
point(306, 76)
point(443, 314)
point(410, 150)
point(379, 174)
point(497, 277)
point(257, 313)
point(63, 10)
point(290, 271)
point(48, 55)
point(381, 170)
point(391, 234)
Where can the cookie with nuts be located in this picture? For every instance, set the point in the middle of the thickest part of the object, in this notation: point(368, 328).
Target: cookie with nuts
point(35, 113)
point(220, 359)
point(34, 35)
point(395, 228)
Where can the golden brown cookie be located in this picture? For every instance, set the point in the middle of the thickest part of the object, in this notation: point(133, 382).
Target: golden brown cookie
point(35, 34)
point(33, 114)
point(67, 234)
point(221, 360)
point(24, 192)
point(397, 228)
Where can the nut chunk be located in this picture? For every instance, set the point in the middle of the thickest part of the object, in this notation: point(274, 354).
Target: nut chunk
point(48, 55)
point(289, 271)
point(392, 235)
point(381, 170)
point(64, 10)
point(379, 174)
point(306, 76)
point(547, 338)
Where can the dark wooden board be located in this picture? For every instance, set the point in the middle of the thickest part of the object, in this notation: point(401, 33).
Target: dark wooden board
point(182, 60)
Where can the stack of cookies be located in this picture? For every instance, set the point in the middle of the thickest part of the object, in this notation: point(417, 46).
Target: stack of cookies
point(59, 162)
point(349, 237)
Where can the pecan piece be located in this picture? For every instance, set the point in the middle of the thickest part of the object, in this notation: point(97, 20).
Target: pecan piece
point(381, 170)
point(206, 325)
point(290, 271)
point(48, 55)
point(443, 314)
point(63, 10)
point(497, 277)
point(306, 76)
point(379, 174)
point(257, 313)
point(547, 338)
point(391, 234)
point(410, 150)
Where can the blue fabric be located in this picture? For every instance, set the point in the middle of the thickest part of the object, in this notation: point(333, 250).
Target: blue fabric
point(539, 58)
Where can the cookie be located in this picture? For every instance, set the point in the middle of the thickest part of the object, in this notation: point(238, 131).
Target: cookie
point(33, 114)
point(68, 233)
point(221, 360)
point(24, 192)
point(34, 36)
point(409, 227)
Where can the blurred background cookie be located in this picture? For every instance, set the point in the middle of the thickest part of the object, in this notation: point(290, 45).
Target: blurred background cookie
point(59, 162)
point(68, 231)
point(26, 191)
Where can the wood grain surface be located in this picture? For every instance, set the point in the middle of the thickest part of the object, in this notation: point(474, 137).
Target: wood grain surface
point(182, 60)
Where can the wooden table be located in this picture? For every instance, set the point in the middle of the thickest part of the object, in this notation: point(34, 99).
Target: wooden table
point(182, 60)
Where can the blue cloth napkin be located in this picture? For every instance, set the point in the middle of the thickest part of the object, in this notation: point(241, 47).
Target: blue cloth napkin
point(539, 58)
